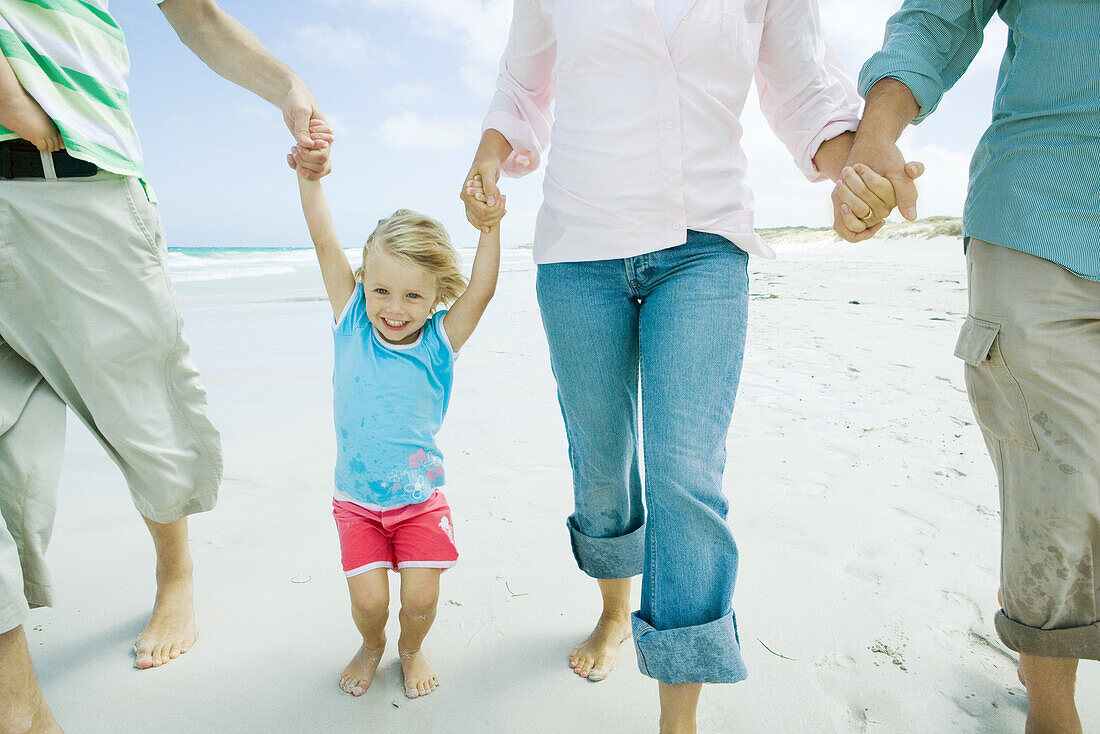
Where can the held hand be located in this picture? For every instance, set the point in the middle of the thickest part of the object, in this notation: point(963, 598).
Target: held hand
point(313, 163)
point(300, 112)
point(863, 197)
point(483, 200)
point(44, 135)
point(476, 188)
point(31, 123)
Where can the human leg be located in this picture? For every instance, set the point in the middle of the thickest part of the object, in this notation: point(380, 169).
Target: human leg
point(1051, 686)
point(32, 437)
point(23, 710)
point(694, 313)
point(370, 608)
point(678, 705)
point(88, 302)
point(589, 313)
point(1032, 354)
point(419, 598)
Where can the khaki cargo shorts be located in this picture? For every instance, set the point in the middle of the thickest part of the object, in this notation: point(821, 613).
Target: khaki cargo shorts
point(88, 320)
point(1032, 350)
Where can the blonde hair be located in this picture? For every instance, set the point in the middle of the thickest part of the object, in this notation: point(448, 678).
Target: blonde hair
point(421, 241)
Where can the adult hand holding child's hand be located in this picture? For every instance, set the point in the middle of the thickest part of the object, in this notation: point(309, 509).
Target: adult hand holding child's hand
point(483, 200)
point(313, 162)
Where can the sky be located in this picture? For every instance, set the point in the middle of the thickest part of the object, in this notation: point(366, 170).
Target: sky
point(405, 84)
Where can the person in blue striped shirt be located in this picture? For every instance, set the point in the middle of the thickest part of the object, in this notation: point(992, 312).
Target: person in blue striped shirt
point(1031, 341)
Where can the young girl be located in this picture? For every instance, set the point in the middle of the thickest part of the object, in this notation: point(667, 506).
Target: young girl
point(392, 382)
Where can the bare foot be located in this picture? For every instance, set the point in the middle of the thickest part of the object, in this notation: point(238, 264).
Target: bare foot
point(39, 721)
point(357, 677)
point(420, 679)
point(595, 657)
point(22, 707)
point(171, 629)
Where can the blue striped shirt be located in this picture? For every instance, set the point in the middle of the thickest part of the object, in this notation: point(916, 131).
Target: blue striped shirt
point(1035, 176)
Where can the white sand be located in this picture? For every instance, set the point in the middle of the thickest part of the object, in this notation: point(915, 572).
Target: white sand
point(862, 499)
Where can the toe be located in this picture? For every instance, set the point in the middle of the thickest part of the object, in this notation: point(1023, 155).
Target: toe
point(143, 658)
point(174, 651)
point(411, 693)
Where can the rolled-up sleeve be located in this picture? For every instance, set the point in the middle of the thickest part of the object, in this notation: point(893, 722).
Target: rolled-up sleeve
point(520, 109)
point(928, 46)
point(806, 94)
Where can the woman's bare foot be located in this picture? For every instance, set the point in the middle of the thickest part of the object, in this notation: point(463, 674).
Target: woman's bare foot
point(420, 678)
point(357, 677)
point(171, 629)
point(595, 657)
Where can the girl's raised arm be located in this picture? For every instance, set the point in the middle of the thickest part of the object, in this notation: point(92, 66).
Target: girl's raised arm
point(335, 269)
point(464, 314)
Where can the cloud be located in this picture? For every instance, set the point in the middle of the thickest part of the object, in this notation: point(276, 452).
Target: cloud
point(410, 131)
point(341, 46)
point(481, 26)
point(409, 94)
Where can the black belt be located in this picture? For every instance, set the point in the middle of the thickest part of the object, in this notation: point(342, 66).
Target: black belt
point(20, 159)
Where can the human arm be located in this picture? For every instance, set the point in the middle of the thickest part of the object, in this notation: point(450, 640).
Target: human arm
point(806, 95)
point(517, 126)
point(20, 113)
point(336, 272)
point(890, 108)
point(234, 53)
point(929, 45)
point(465, 313)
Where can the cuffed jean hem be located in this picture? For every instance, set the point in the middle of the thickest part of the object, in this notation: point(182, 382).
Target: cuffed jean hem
point(705, 653)
point(13, 615)
point(607, 558)
point(1082, 643)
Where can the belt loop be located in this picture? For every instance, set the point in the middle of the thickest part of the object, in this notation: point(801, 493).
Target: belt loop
point(5, 162)
point(47, 166)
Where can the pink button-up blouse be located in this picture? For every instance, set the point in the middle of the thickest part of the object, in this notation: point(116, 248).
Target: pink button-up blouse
point(644, 136)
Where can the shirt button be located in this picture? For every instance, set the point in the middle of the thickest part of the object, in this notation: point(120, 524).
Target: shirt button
point(664, 71)
point(668, 124)
point(672, 179)
point(676, 225)
point(687, 16)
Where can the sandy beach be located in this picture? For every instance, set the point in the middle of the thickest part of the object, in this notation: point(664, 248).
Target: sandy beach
point(863, 501)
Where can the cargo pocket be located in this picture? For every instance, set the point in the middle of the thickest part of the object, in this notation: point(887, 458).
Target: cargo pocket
point(995, 396)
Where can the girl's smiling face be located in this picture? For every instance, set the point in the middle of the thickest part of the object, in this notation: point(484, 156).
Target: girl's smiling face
point(400, 296)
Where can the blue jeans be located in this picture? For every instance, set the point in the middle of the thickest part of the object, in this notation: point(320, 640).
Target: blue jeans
point(673, 323)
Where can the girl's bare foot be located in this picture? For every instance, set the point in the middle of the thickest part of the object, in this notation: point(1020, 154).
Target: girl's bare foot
point(357, 677)
point(595, 657)
point(420, 678)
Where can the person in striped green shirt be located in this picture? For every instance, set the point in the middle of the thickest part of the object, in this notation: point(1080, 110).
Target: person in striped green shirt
point(1031, 340)
point(88, 320)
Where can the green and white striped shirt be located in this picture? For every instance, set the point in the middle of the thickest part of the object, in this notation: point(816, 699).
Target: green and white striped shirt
point(1035, 176)
point(70, 55)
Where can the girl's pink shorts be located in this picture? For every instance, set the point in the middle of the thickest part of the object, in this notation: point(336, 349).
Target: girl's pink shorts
point(413, 536)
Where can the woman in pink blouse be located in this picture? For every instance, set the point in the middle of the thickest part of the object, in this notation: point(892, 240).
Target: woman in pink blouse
point(641, 245)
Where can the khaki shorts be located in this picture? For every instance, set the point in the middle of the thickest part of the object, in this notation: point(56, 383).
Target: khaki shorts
point(1032, 350)
point(88, 319)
